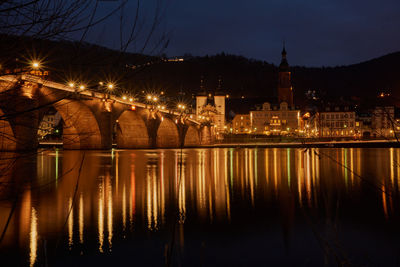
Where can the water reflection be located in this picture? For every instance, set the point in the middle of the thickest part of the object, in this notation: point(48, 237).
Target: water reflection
point(33, 236)
point(131, 190)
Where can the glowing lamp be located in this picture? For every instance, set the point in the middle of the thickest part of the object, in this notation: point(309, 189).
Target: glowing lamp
point(133, 107)
point(35, 64)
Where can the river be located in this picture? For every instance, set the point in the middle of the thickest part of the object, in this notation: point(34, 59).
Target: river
point(195, 207)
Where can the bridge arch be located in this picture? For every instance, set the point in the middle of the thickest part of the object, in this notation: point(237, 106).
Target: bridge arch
point(81, 130)
point(7, 139)
point(132, 131)
point(167, 134)
point(192, 137)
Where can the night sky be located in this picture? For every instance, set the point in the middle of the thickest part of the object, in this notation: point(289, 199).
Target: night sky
point(316, 32)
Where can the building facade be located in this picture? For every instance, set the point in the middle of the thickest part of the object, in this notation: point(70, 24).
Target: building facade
point(275, 119)
point(337, 122)
point(241, 124)
point(383, 123)
point(211, 107)
point(48, 123)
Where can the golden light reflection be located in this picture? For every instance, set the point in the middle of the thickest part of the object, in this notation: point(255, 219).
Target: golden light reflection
point(391, 151)
point(101, 216)
point(182, 195)
point(109, 211)
point(153, 198)
point(123, 207)
point(81, 219)
point(33, 237)
point(201, 184)
point(384, 204)
point(70, 224)
point(207, 185)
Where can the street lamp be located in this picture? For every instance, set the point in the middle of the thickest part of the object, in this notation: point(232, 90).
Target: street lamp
point(35, 65)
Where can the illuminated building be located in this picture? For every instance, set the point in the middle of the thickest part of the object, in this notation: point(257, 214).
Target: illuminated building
point(48, 123)
point(383, 123)
point(241, 124)
point(274, 119)
point(211, 106)
point(337, 122)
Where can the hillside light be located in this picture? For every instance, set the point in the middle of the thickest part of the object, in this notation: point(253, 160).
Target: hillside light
point(124, 97)
point(149, 97)
point(82, 87)
point(130, 99)
point(71, 84)
point(110, 86)
point(155, 99)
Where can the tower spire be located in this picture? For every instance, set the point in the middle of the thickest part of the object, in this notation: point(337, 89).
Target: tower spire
point(284, 50)
point(202, 89)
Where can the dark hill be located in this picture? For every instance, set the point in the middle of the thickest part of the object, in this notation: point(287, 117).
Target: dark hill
point(241, 76)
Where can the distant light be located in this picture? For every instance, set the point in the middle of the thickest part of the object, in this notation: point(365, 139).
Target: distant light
point(148, 97)
point(71, 85)
point(82, 87)
point(35, 64)
point(110, 86)
point(131, 99)
point(124, 97)
point(227, 96)
point(101, 83)
point(155, 98)
point(133, 107)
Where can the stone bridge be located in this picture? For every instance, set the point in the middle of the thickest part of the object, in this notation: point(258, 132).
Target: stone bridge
point(91, 120)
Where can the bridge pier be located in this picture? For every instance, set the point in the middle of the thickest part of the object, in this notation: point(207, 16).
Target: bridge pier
point(105, 121)
point(20, 107)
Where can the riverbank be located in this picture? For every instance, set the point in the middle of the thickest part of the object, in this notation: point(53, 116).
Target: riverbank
point(306, 144)
point(282, 144)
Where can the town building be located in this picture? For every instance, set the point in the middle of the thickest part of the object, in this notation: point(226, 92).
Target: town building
point(339, 121)
point(278, 118)
point(241, 124)
point(383, 123)
point(274, 119)
point(48, 123)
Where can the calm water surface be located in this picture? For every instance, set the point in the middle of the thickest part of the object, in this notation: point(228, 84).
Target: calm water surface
point(201, 207)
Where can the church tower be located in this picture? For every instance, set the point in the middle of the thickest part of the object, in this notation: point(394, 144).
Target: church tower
point(219, 100)
point(201, 98)
point(285, 89)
